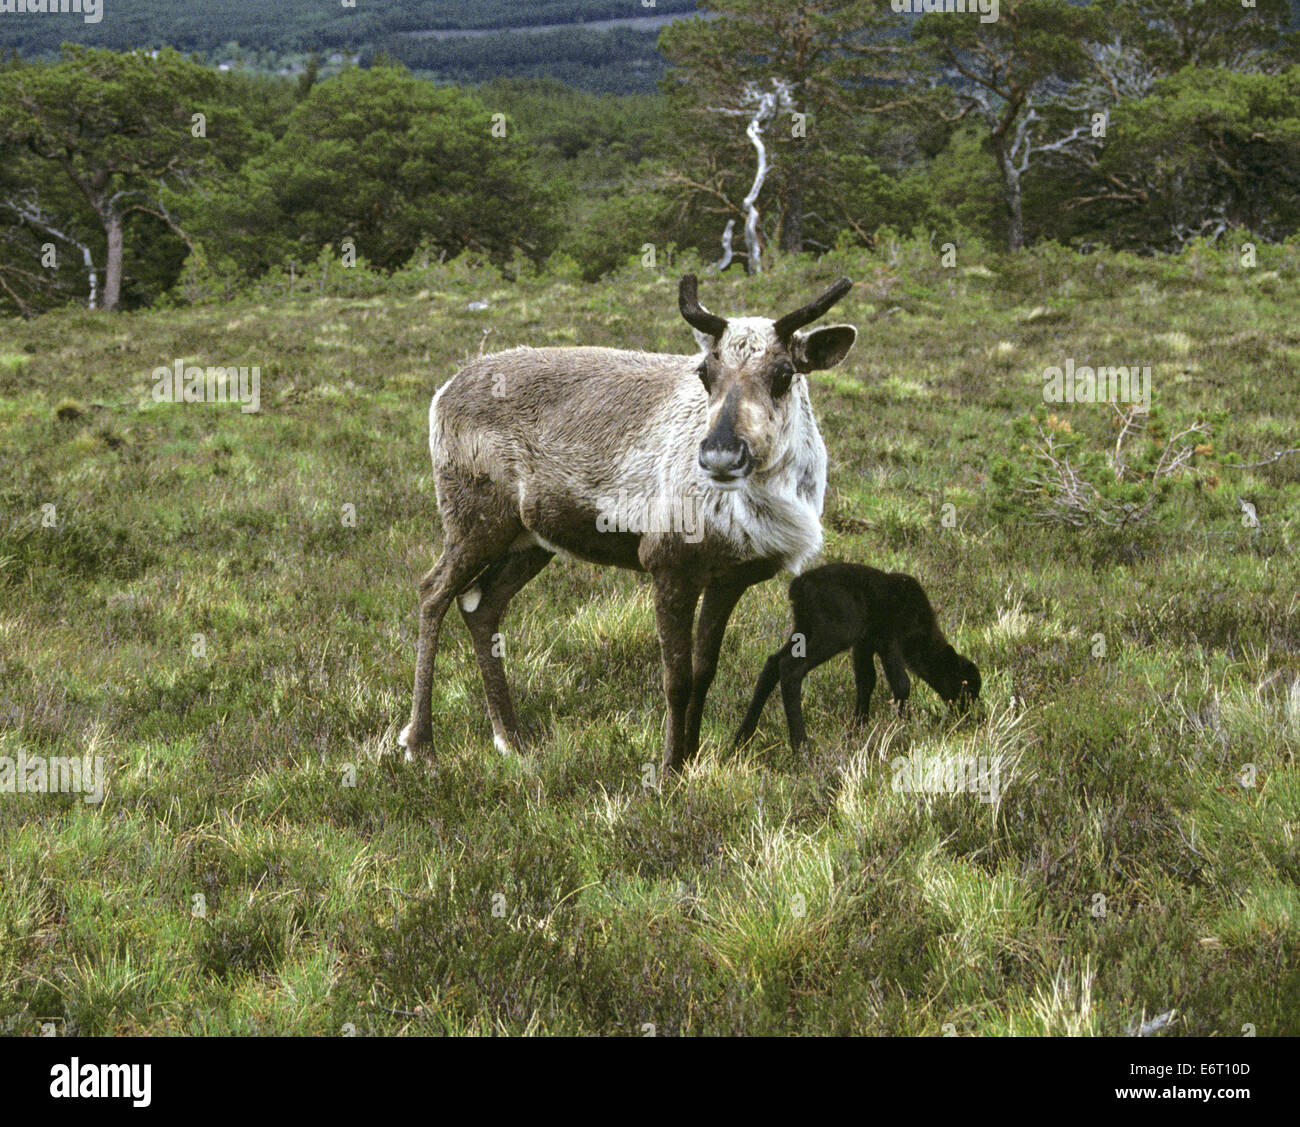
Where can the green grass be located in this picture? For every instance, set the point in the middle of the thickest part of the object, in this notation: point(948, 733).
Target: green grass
point(558, 894)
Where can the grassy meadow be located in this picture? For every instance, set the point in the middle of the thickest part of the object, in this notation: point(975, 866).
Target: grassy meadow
point(202, 609)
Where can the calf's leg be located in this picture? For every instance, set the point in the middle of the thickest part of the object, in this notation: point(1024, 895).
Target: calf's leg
point(768, 679)
point(864, 678)
point(900, 683)
point(793, 671)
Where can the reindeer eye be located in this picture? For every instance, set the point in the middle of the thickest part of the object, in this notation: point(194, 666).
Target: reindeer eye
point(781, 379)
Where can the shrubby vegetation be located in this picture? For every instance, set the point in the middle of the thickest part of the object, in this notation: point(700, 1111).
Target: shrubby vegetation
point(1117, 474)
point(1134, 677)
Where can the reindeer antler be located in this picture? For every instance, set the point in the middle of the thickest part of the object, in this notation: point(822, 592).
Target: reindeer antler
point(696, 315)
point(786, 325)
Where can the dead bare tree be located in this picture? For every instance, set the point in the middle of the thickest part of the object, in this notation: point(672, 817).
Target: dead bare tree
point(763, 105)
point(725, 261)
point(29, 211)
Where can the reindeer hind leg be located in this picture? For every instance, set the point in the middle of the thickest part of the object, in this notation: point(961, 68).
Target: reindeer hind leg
point(482, 608)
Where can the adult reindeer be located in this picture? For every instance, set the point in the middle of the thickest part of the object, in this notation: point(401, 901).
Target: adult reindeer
point(706, 471)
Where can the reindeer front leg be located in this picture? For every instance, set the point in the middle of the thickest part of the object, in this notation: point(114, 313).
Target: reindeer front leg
point(675, 600)
point(715, 612)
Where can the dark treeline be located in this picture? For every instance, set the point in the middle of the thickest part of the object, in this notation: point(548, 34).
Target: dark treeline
point(294, 25)
point(276, 36)
point(614, 61)
point(131, 177)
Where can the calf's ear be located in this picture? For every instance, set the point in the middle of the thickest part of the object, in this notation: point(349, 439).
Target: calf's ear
point(815, 350)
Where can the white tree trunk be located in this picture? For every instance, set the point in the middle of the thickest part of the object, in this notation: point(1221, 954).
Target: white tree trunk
point(766, 103)
point(30, 213)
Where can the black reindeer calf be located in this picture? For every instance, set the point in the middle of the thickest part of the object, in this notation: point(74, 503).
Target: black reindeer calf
point(844, 606)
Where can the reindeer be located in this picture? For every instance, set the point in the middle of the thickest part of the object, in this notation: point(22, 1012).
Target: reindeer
point(841, 606)
point(706, 471)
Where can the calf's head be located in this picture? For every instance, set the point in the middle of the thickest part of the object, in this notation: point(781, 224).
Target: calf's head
point(957, 678)
point(753, 371)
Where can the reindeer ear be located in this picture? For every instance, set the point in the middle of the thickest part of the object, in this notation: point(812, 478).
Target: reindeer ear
point(706, 342)
point(815, 350)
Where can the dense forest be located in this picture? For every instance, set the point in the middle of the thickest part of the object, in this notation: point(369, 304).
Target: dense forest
point(133, 177)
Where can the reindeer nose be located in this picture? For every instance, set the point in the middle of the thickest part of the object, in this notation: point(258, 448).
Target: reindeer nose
point(725, 460)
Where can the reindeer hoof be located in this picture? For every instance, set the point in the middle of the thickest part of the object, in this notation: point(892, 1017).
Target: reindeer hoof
point(413, 741)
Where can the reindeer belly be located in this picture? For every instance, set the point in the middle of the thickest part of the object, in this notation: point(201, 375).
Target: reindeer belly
point(561, 523)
